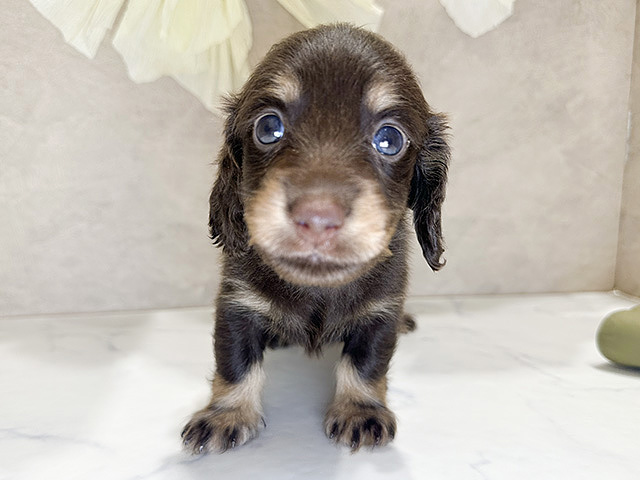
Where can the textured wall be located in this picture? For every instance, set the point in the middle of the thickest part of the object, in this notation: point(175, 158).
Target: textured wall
point(628, 273)
point(104, 183)
point(539, 110)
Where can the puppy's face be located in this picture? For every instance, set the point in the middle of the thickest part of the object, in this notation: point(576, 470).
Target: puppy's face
point(325, 136)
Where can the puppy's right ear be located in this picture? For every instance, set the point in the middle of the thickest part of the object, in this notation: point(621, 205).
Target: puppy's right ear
point(226, 211)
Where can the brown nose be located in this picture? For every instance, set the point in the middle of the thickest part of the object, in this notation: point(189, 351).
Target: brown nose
point(317, 219)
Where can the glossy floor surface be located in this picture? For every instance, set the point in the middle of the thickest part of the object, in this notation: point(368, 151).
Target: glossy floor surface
point(487, 388)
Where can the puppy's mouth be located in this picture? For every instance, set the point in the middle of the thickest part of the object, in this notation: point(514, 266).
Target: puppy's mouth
point(315, 269)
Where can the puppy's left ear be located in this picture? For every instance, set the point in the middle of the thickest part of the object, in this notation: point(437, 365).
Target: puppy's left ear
point(428, 189)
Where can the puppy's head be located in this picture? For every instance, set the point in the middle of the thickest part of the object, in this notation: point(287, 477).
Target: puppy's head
point(327, 144)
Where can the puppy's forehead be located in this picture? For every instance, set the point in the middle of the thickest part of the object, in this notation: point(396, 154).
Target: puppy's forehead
point(375, 92)
point(340, 72)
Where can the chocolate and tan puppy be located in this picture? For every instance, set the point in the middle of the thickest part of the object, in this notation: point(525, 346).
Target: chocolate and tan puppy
point(326, 147)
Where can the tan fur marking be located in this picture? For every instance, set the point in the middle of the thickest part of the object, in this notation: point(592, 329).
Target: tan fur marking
point(384, 307)
point(245, 296)
point(233, 416)
point(367, 231)
point(363, 239)
point(368, 225)
point(266, 214)
point(351, 387)
point(243, 395)
point(380, 96)
point(285, 87)
point(358, 415)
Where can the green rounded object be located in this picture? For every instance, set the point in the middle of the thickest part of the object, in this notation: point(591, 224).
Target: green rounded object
point(618, 337)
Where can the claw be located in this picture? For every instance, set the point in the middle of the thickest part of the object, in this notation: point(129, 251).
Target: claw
point(233, 436)
point(355, 439)
point(392, 432)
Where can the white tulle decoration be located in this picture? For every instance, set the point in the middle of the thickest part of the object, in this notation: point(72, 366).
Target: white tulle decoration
point(83, 23)
point(203, 44)
point(364, 13)
point(477, 17)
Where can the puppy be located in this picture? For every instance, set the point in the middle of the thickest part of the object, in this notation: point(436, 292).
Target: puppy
point(326, 147)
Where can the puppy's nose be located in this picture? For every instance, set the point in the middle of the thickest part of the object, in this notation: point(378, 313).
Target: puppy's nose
point(317, 219)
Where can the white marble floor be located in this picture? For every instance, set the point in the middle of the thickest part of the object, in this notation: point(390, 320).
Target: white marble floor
point(507, 387)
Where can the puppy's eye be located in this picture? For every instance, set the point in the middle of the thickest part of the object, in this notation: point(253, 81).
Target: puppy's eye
point(268, 129)
point(388, 140)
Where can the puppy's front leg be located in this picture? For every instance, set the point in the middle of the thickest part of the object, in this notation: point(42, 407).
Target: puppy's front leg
point(358, 415)
point(234, 413)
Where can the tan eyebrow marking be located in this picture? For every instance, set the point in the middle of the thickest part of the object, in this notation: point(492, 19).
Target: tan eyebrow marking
point(285, 87)
point(380, 96)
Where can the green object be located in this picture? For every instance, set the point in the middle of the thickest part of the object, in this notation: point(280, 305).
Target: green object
point(618, 337)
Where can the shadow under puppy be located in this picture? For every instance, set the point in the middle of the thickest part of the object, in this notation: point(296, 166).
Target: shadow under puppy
point(326, 146)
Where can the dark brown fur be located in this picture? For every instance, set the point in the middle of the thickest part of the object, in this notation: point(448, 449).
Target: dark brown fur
point(333, 87)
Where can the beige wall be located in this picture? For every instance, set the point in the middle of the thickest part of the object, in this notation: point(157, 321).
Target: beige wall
point(104, 183)
point(539, 115)
point(628, 273)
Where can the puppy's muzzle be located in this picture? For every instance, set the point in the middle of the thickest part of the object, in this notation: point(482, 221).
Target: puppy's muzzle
point(317, 219)
point(319, 228)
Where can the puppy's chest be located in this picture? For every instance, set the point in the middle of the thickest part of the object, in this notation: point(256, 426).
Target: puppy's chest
point(309, 322)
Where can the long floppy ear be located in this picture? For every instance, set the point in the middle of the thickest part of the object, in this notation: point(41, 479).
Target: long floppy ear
point(428, 189)
point(226, 212)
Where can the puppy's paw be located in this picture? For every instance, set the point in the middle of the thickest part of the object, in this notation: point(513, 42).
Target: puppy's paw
point(217, 430)
point(357, 424)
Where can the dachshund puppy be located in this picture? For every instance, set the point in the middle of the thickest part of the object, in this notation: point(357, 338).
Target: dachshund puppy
point(327, 146)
